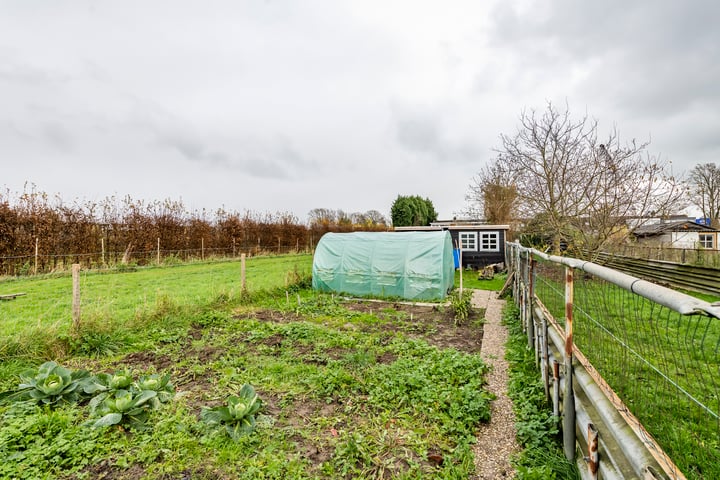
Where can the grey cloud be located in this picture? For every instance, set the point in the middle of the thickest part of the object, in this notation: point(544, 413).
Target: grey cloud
point(57, 136)
point(267, 158)
point(26, 74)
point(423, 132)
point(651, 57)
point(420, 134)
point(260, 156)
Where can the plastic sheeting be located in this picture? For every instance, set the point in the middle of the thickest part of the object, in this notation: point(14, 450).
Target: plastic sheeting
point(410, 265)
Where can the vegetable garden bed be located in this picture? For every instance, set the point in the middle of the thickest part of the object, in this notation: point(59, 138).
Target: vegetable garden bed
point(348, 390)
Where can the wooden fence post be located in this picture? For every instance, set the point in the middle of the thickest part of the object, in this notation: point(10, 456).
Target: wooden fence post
point(36, 254)
point(243, 283)
point(569, 394)
point(76, 296)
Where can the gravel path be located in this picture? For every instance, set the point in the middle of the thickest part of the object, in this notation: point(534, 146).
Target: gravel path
point(496, 440)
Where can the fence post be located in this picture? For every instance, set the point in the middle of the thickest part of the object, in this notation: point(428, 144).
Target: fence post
point(556, 388)
point(76, 296)
point(36, 254)
point(457, 246)
point(545, 362)
point(569, 395)
point(518, 281)
point(527, 271)
point(593, 457)
point(243, 284)
point(158, 251)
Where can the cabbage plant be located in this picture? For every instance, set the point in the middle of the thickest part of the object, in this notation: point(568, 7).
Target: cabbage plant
point(125, 407)
point(120, 398)
point(116, 381)
point(106, 384)
point(160, 384)
point(237, 417)
point(51, 384)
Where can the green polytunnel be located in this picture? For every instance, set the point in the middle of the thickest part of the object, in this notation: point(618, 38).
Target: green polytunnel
point(410, 265)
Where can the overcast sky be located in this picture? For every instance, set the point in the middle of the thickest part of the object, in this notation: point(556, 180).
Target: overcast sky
point(290, 105)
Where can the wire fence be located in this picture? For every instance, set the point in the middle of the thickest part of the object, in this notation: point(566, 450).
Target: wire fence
point(693, 256)
point(19, 265)
point(696, 278)
point(657, 350)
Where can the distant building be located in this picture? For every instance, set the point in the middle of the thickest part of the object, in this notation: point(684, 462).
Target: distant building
point(678, 234)
point(481, 244)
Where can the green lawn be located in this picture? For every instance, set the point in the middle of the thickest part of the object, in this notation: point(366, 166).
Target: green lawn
point(119, 297)
point(471, 279)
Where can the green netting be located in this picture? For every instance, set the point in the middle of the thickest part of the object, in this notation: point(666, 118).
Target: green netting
point(411, 265)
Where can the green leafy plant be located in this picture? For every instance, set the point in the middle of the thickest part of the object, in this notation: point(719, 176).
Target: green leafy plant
point(461, 305)
point(126, 407)
point(119, 398)
point(105, 384)
point(51, 384)
point(95, 343)
point(160, 384)
point(237, 418)
point(116, 381)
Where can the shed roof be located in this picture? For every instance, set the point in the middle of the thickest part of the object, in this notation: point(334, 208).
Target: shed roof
point(453, 225)
point(666, 227)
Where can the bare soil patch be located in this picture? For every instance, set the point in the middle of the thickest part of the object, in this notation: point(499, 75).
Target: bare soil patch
point(435, 324)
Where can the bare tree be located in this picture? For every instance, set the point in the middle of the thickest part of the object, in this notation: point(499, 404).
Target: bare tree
point(322, 216)
point(705, 187)
point(492, 195)
point(376, 218)
point(573, 189)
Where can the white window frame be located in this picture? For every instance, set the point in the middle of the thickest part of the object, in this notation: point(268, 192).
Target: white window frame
point(489, 242)
point(468, 241)
point(703, 240)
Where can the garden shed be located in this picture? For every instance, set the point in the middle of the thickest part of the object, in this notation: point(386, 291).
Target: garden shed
point(410, 265)
point(481, 244)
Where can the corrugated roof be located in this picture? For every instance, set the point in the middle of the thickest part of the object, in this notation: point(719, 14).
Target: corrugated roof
point(660, 228)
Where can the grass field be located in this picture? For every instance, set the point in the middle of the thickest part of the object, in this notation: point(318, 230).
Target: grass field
point(348, 390)
point(119, 297)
